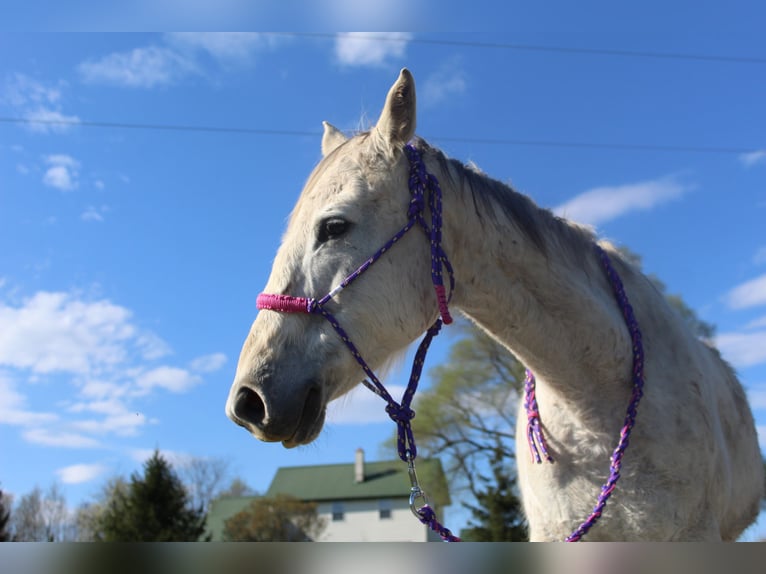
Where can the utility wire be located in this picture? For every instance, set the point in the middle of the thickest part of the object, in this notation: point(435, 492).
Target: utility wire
point(539, 48)
point(159, 127)
point(301, 133)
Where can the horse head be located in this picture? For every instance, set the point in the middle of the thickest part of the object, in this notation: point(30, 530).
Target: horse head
point(357, 198)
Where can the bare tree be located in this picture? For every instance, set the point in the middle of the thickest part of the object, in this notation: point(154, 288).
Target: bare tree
point(27, 518)
point(203, 479)
point(42, 518)
point(58, 525)
point(237, 487)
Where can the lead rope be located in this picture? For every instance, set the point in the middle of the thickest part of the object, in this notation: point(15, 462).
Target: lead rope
point(534, 431)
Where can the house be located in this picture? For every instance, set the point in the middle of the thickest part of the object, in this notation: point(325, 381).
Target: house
point(361, 501)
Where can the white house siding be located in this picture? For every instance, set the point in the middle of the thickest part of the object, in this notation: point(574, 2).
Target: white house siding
point(362, 523)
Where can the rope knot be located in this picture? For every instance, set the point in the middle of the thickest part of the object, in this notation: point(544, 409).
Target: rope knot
point(417, 205)
point(401, 415)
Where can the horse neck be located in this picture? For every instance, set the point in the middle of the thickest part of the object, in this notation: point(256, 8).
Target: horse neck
point(545, 299)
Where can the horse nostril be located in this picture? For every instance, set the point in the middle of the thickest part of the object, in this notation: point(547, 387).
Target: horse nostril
point(249, 407)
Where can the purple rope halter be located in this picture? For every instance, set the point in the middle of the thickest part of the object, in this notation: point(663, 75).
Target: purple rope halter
point(421, 184)
point(534, 432)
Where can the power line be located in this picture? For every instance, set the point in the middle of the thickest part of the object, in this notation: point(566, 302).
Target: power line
point(447, 138)
point(159, 127)
point(600, 145)
point(542, 48)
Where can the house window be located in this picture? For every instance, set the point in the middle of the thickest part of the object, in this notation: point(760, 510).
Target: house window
point(384, 509)
point(337, 511)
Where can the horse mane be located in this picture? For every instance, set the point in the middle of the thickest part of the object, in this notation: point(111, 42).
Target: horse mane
point(491, 197)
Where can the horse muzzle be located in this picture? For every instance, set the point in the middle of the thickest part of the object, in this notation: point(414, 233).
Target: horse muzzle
point(294, 418)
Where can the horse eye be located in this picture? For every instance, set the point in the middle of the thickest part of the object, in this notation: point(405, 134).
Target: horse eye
point(332, 229)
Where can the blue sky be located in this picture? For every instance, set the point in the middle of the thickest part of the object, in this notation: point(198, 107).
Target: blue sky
point(130, 257)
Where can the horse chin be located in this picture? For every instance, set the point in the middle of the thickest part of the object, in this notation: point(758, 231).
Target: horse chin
point(310, 423)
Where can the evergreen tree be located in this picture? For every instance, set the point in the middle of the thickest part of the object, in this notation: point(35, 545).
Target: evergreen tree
point(88, 515)
point(498, 507)
point(5, 518)
point(154, 508)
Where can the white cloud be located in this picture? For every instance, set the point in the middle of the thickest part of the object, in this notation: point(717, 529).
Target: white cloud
point(59, 177)
point(97, 389)
point(147, 67)
point(13, 409)
point(361, 406)
point(743, 349)
point(603, 204)
point(45, 120)
point(223, 46)
point(208, 363)
point(152, 346)
point(95, 347)
point(449, 80)
point(122, 424)
point(110, 401)
point(180, 57)
point(760, 256)
point(756, 323)
point(749, 294)
point(54, 332)
point(37, 103)
point(62, 173)
point(92, 213)
point(753, 158)
point(57, 438)
point(370, 48)
point(171, 379)
point(21, 90)
point(79, 473)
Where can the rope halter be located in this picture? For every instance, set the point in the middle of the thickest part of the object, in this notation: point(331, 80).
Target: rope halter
point(424, 188)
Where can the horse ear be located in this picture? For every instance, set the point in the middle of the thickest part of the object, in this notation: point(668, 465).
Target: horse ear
point(331, 138)
point(396, 124)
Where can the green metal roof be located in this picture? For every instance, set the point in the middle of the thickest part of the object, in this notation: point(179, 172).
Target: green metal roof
point(384, 479)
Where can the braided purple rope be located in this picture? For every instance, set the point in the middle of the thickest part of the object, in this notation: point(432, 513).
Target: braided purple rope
point(638, 391)
point(427, 516)
point(419, 182)
point(533, 416)
point(534, 432)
